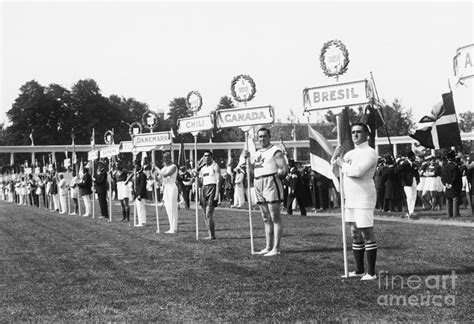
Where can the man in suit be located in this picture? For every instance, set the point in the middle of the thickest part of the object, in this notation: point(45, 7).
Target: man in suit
point(101, 189)
point(85, 189)
point(452, 180)
point(410, 179)
point(140, 195)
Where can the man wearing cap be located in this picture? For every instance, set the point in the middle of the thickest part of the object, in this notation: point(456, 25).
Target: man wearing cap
point(101, 189)
point(358, 168)
point(452, 179)
point(268, 169)
point(140, 195)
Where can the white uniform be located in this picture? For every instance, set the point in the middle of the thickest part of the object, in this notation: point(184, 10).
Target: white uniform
point(62, 192)
point(359, 187)
point(170, 197)
point(267, 184)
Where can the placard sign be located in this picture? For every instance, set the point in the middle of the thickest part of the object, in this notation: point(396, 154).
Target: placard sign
point(110, 151)
point(244, 117)
point(67, 162)
point(126, 147)
point(93, 155)
point(463, 62)
point(152, 139)
point(195, 124)
point(337, 95)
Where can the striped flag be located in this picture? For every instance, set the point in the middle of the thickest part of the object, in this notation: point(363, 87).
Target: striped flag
point(320, 154)
point(441, 129)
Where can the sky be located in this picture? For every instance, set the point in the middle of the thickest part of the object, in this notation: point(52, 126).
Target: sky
point(155, 51)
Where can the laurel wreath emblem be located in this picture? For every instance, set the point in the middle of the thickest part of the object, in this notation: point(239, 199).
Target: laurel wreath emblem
point(134, 125)
point(345, 53)
point(106, 134)
point(146, 115)
point(253, 89)
point(196, 93)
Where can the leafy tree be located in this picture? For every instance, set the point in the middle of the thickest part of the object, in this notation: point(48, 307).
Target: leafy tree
point(398, 120)
point(227, 134)
point(130, 111)
point(92, 110)
point(466, 122)
point(178, 109)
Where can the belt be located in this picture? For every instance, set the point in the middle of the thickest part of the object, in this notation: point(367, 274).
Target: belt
point(264, 176)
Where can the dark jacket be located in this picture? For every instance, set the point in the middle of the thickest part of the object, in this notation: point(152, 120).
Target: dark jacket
point(85, 186)
point(451, 175)
point(140, 186)
point(407, 172)
point(101, 182)
point(392, 182)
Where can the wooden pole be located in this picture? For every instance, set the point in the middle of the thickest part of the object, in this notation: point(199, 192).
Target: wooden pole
point(249, 192)
point(343, 219)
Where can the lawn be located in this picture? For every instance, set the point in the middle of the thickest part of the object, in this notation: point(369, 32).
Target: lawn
point(69, 268)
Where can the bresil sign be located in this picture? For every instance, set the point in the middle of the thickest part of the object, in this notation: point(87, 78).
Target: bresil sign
point(195, 124)
point(152, 139)
point(244, 117)
point(337, 95)
point(110, 151)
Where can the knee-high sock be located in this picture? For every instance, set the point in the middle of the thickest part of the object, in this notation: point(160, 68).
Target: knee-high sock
point(358, 249)
point(371, 250)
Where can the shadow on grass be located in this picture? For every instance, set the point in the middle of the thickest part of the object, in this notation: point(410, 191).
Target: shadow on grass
point(437, 272)
point(312, 250)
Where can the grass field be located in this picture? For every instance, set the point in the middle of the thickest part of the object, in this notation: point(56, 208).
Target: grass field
point(69, 268)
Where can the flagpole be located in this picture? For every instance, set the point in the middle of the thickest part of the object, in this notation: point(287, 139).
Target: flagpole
point(247, 160)
point(343, 212)
point(196, 183)
point(155, 189)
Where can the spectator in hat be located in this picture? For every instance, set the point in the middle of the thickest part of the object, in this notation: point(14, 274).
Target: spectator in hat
point(452, 179)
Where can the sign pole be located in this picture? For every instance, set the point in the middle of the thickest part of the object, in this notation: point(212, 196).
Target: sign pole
point(196, 193)
point(343, 211)
point(110, 189)
point(155, 189)
point(247, 160)
point(93, 190)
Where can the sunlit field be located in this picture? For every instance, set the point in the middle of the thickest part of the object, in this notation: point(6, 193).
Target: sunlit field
point(70, 268)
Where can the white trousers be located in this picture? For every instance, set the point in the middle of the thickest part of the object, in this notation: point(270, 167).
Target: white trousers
point(87, 203)
point(63, 203)
point(141, 211)
point(170, 198)
point(56, 202)
point(410, 192)
point(239, 196)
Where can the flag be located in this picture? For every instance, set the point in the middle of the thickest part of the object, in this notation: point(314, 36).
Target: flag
point(12, 159)
point(320, 155)
point(284, 150)
point(93, 138)
point(344, 132)
point(373, 118)
point(440, 129)
point(74, 157)
point(31, 138)
point(181, 155)
point(250, 147)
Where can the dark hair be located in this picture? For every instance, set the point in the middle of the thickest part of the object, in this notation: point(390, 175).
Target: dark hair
point(207, 151)
point(363, 125)
point(264, 129)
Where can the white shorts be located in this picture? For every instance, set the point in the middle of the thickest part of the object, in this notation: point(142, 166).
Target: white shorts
point(123, 190)
point(362, 217)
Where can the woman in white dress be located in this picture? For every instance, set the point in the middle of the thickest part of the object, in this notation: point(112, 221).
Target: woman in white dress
point(170, 191)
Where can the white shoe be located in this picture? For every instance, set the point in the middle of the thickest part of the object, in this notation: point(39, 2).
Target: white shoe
point(139, 225)
point(72, 214)
point(354, 274)
point(264, 251)
point(369, 277)
point(85, 215)
point(272, 253)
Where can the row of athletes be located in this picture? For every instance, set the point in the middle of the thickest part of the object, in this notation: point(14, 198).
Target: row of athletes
point(358, 167)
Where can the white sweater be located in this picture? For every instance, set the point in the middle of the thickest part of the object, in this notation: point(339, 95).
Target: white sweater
point(359, 169)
